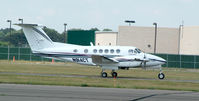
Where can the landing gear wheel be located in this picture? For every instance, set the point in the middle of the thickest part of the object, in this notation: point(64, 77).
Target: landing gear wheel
point(114, 74)
point(161, 76)
point(104, 74)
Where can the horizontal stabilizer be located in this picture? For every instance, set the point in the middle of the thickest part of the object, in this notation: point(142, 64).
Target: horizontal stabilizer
point(26, 24)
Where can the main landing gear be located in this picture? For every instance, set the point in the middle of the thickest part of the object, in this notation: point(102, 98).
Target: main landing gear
point(113, 73)
point(104, 74)
point(161, 75)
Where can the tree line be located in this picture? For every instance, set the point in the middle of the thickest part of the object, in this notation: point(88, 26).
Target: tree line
point(17, 37)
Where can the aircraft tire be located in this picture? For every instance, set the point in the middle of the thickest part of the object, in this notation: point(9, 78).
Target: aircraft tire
point(104, 74)
point(161, 76)
point(114, 74)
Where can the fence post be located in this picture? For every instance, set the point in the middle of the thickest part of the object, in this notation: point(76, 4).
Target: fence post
point(18, 53)
point(30, 56)
point(180, 61)
point(167, 60)
point(194, 61)
point(8, 52)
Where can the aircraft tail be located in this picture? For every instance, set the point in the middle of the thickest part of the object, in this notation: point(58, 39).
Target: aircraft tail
point(36, 37)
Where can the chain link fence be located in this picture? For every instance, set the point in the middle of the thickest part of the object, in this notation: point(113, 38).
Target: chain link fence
point(173, 60)
point(19, 53)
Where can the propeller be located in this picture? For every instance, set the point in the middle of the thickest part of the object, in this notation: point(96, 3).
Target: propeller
point(143, 60)
point(143, 63)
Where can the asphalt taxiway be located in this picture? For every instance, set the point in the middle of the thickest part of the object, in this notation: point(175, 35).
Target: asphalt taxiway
point(15, 92)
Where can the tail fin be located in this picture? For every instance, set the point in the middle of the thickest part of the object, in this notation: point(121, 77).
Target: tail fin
point(36, 37)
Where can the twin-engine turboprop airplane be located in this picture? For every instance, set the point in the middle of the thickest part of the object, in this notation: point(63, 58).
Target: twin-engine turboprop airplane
point(107, 57)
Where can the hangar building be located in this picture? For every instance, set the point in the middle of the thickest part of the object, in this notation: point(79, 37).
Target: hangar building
point(106, 38)
point(182, 40)
point(143, 38)
point(189, 40)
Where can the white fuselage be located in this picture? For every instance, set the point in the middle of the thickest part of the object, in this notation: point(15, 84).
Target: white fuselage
point(125, 55)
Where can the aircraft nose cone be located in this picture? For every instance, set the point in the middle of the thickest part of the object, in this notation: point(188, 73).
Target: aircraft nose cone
point(162, 60)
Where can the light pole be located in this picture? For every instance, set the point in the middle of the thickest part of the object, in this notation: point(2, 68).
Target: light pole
point(21, 20)
point(21, 29)
point(65, 32)
point(10, 27)
point(155, 24)
point(9, 39)
point(129, 21)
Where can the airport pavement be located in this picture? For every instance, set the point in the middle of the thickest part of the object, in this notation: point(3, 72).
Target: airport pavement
point(15, 92)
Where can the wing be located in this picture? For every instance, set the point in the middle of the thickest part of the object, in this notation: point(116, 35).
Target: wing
point(102, 60)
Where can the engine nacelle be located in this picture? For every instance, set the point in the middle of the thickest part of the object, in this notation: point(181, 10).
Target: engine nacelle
point(123, 68)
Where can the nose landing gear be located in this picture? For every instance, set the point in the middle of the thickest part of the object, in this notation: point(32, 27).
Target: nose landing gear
point(161, 75)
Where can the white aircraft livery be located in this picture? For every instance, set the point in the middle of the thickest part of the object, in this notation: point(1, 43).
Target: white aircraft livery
point(107, 57)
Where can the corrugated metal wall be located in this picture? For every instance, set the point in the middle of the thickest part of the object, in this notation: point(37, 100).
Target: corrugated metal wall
point(83, 37)
point(180, 61)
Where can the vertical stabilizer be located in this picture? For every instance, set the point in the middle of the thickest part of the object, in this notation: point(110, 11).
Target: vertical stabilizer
point(36, 37)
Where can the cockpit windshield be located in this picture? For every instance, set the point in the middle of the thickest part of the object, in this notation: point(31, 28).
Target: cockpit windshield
point(134, 51)
point(138, 50)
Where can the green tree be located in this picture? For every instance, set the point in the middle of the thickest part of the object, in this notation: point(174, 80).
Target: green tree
point(106, 29)
point(95, 29)
point(54, 35)
point(76, 29)
point(1, 34)
point(4, 44)
point(15, 39)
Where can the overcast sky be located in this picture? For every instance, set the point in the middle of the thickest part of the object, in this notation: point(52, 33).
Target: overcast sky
point(102, 14)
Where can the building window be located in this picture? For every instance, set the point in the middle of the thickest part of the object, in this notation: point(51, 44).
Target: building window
point(118, 50)
point(85, 50)
point(95, 51)
point(106, 50)
point(75, 50)
point(100, 51)
point(112, 50)
point(149, 46)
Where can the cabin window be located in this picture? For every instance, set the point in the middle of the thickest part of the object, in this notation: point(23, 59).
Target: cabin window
point(118, 50)
point(95, 51)
point(130, 51)
point(106, 50)
point(135, 52)
point(85, 50)
point(100, 51)
point(112, 50)
point(75, 50)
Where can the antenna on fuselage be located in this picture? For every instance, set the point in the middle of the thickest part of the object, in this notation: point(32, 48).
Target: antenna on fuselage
point(91, 44)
